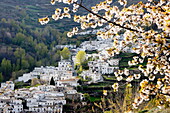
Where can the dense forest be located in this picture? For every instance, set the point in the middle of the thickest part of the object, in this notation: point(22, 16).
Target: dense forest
point(22, 47)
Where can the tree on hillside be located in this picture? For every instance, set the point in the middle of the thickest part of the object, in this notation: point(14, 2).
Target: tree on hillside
point(35, 81)
point(19, 53)
point(14, 76)
point(24, 64)
point(145, 26)
point(6, 67)
point(19, 39)
point(52, 82)
point(21, 63)
point(65, 53)
point(55, 57)
point(1, 77)
point(80, 57)
point(41, 50)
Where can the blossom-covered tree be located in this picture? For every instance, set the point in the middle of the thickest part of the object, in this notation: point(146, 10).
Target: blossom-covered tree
point(146, 26)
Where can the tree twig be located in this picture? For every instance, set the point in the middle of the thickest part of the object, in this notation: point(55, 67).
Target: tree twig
point(81, 2)
point(114, 23)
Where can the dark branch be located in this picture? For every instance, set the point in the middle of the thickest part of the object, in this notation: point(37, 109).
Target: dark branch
point(114, 23)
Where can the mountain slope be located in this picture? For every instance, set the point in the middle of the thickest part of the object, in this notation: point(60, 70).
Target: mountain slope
point(29, 11)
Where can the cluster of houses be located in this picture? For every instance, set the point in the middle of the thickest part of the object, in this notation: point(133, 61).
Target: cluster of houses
point(63, 74)
point(63, 46)
point(51, 98)
point(99, 45)
point(40, 99)
point(102, 67)
point(43, 98)
point(98, 68)
point(96, 45)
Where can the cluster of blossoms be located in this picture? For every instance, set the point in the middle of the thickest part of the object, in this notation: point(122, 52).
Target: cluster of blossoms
point(74, 31)
point(155, 67)
point(105, 92)
point(64, 1)
point(58, 12)
point(59, 15)
point(44, 20)
point(115, 87)
point(144, 26)
point(125, 74)
point(158, 89)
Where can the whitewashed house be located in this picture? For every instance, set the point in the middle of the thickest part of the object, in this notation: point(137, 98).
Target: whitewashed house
point(16, 105)
point(64, 75)
point(48, 102)
point(68, 46)
point(114, 62)
point(101, 67)
point(73, 94)
point(31, 102)
point(65, 64)
point(39, 95)
point(26, 77)
point(2, 105)
point(22, 93)
point(7, 85)
point(107, 70)
point(60, 101)
point(95, 77)
point(67, 82)
point(96, 45)
point(71, 91)
point(46, 99)
point(46, 88)
point(11, 105)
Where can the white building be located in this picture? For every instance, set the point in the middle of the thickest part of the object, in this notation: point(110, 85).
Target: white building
point(26, 77)
point(43, 98)
point(114, 62)
point(64, 64)
point(101, 66)
point(11, 105)
point(96, 45)
point(95, 77)
point(22, 93)
point(16, 105)
point(46, 87)
point(68, 46)
point(67, 82)
point(64, 71)
point(7, 85)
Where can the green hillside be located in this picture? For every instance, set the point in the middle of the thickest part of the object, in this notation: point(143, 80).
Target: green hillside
point(28, 11)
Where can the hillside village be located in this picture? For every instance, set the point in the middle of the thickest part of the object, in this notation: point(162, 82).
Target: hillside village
point(48, 97)
point(85, 56)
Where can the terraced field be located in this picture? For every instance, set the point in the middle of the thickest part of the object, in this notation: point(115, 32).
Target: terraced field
point(29, 11)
